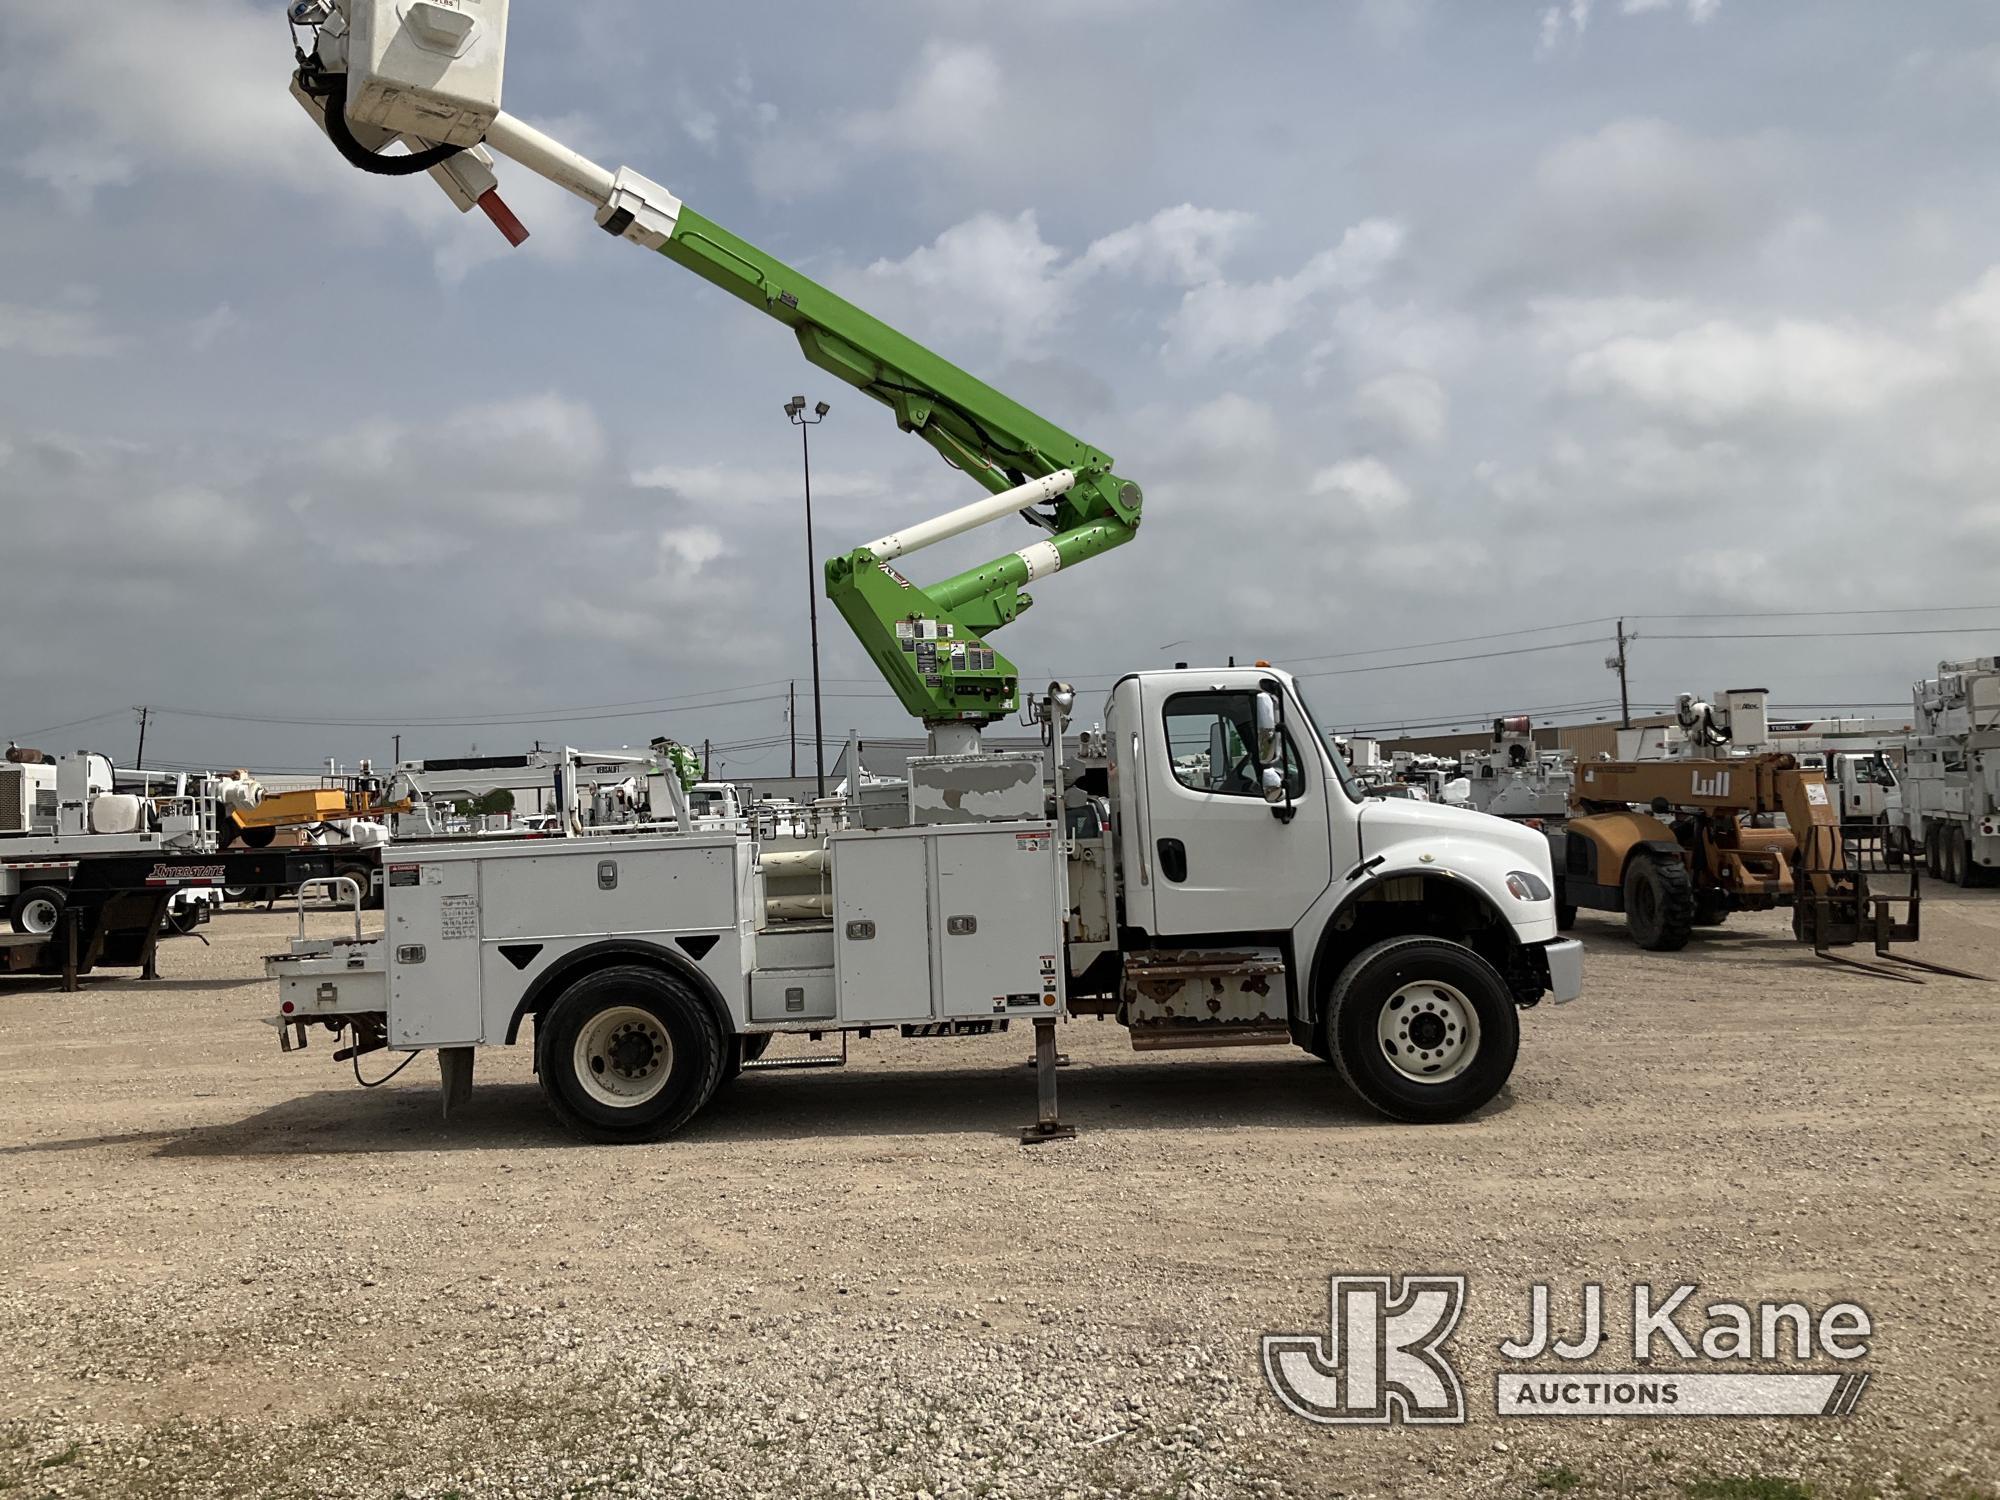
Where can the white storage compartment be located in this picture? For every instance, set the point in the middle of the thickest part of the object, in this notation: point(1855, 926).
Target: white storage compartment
point(998, 947)
point(433, 938)
point(881, 926)
point(779, 995)
point(430, 68)
point(605, 886)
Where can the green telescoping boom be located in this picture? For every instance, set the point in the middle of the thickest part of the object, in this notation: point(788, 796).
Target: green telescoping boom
point(930, 642)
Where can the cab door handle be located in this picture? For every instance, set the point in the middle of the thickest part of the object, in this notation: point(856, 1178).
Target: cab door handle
point(1173, 860)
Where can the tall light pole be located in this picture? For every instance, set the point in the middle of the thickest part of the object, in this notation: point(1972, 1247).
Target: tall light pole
point(796, 410)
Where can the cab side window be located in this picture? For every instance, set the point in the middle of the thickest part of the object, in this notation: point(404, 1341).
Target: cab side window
point(1211, 740)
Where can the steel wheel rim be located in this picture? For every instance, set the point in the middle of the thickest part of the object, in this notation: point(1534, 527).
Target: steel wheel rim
point(1428, 1031)
point(39, 916)
point(623, 1056)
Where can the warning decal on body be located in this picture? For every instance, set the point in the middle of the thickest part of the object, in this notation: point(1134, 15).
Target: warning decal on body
point(404, 874)
point(1032, 843)
point(459, 918)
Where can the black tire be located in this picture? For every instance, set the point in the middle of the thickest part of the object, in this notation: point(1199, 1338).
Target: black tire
point(183, 917)
point(365, 878)
point(1966, 872)
point(1378, 985)
point(665, 1010)
point(1933, 857)
point(38, 910)
point(1711, 909)
point(1659, 902)
point(258, 838)
point(1948, 854)
point(1565, 917)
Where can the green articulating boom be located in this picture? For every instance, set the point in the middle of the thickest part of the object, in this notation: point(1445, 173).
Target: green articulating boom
point(931, 643)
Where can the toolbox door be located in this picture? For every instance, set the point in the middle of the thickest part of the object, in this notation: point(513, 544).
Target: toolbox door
point(433, 937)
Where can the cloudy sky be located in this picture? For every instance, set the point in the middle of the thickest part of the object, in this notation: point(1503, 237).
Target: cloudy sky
point(1427, 325)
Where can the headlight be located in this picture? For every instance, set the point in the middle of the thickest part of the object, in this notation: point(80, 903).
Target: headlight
point(1527, 886)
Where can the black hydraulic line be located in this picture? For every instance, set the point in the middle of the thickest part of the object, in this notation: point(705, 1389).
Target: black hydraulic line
point(332, 89)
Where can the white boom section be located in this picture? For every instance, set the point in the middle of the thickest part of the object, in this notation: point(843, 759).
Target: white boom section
point(967, 517)
point(548, 157)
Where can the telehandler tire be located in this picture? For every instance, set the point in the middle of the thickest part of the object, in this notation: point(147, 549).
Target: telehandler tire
point(628, 1054)
point(1423, 1029)
point(1659, 902)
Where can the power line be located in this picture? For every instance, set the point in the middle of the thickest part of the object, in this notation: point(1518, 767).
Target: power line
point(1825, 635)
point(1439, 661)
point(72, 724)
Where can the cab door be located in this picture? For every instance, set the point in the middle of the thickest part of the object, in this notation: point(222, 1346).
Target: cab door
point(1221, 859)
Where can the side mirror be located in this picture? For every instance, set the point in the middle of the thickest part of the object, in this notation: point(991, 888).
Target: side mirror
point(1218, 756)
point(1267, 729)
point(1274, 784)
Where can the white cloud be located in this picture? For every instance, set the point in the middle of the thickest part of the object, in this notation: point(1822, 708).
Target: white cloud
point(996, 277)
point(198, 84)
point(1564, 325)
point(952, 103)
point(1181, 246)
point(689, 549)
point(1722, 371)
point(1406, 408)
point(733, 487)
point(525, 462)
point(1644, 189)
point(1562, 25)
point(212, 327)
point(55, 332)
point(1231, 425)
point(1366, 487)
point(1221, 319)
point(987, 276)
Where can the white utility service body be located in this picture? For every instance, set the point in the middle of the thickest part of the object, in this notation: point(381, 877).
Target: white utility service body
point(1216, 908)
point(1951, 771)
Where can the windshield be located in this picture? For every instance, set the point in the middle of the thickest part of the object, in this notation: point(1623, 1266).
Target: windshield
point(1342, 772)
point(703, 804)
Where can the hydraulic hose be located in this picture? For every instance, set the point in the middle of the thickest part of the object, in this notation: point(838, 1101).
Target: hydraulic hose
point(356, 154)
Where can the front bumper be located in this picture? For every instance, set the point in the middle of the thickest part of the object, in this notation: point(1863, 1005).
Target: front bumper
point(1564, 957)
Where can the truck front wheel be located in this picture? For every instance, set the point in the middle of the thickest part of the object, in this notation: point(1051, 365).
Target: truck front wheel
point(1422, 1029)
point(628, 1054)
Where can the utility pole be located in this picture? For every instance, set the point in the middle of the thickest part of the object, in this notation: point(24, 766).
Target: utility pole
point(1618, 664)
point(139, 760)
point(796, 410)
point(399, 750)
point(792, 719)
point(704, 760)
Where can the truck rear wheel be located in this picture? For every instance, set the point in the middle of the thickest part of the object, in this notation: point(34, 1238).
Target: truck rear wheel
point(628, 1054)
point(1659, 902)
point(1967, 870)
point(1424, 1030)
point(37, 910)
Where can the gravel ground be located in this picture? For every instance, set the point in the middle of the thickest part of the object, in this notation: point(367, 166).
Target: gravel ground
point(226, 1271)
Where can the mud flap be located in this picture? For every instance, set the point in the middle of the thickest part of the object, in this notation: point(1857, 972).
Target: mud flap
point(455, 1067)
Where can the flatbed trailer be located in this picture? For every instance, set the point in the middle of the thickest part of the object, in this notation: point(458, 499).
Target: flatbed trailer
point(115, 906)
